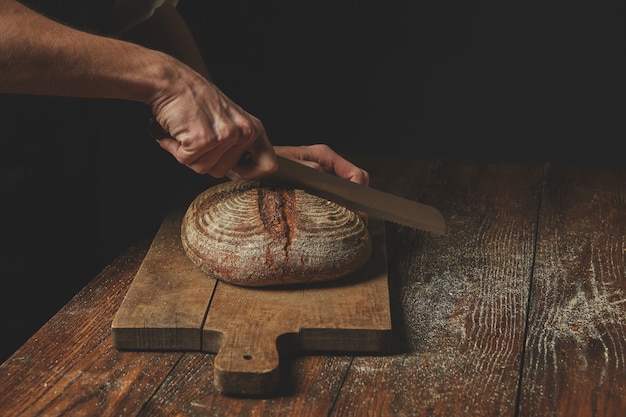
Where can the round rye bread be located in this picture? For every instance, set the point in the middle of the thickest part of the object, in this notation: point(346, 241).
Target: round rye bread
point(249, 234)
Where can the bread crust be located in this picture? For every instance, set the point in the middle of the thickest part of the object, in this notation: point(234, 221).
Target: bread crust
point(251, 234)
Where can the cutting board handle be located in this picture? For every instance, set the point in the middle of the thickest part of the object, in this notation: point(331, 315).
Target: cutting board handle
point(248, 366)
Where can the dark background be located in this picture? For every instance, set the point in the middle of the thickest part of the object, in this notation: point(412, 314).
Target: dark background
point(532, 81)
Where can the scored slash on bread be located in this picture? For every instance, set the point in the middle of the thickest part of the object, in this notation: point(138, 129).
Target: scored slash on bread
point(253, 234)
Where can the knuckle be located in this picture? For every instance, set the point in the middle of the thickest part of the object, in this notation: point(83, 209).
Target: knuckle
point(322, 148)
point(248, 129)
point(225, 133)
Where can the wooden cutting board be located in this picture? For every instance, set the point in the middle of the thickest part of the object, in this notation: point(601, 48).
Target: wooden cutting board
point(172, 305)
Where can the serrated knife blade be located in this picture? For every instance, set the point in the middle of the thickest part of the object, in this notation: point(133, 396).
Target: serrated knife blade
point(355, 196)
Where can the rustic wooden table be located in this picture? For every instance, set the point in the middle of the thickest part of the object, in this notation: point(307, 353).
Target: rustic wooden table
point(519, 311)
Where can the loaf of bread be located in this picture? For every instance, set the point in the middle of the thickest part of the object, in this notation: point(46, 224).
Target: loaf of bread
point(249, 234)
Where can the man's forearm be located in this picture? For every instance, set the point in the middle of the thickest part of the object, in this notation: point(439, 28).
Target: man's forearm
point(166, 31)
point(41, 56)
point(209, 131)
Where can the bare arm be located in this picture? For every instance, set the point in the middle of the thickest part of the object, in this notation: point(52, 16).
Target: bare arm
point(166, 31)
point(40, 56)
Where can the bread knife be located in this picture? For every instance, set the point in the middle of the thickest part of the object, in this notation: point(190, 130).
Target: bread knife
point(359, 197)
point(354, 196)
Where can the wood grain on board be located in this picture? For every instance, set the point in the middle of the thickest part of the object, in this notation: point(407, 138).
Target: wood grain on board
point(170, 298)
point(167, 301)
point(250, 327)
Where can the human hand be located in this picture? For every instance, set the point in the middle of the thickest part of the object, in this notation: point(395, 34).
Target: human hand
point(322, 157)
point(209, 132)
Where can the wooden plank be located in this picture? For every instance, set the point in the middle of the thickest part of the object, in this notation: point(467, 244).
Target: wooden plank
point(449, 357)
point(247, 327)
point(69, 366)
point(168, 300)
point(575, 361)
point(308, 389)
point(309, 383)
point(459, 301)
point(166, 304)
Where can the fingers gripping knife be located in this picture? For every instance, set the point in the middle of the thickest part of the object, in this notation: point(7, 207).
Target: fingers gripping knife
point(355, 196)
point(360, 197)
point(249, 329)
